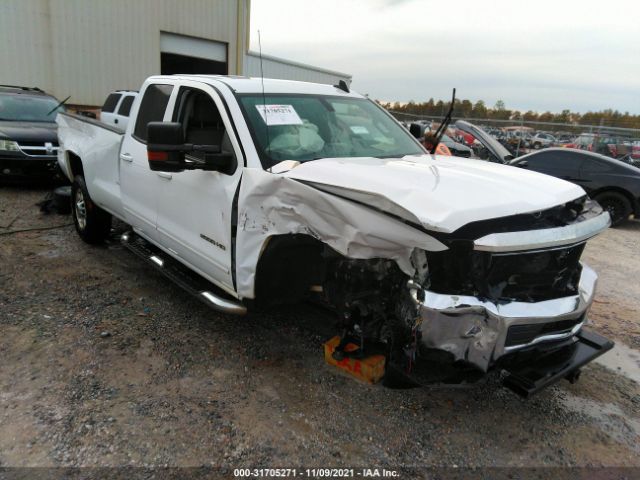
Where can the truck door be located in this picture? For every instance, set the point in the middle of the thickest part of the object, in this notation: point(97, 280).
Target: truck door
point(139, 185)
point(195, 207)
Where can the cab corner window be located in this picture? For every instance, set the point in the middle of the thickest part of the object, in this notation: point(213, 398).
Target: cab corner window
point(152, 108)
point(125, 105)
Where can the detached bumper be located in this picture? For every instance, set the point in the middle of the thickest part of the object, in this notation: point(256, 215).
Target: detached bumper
point(480, 332)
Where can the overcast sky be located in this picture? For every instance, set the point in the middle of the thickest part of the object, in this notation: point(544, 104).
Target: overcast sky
point(540, 55)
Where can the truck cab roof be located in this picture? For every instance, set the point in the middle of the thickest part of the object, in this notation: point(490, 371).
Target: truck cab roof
point(239, 84)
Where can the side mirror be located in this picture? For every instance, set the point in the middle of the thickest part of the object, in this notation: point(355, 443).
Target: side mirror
point(416, 130)
point(166, 151)
point(165, 146)
point(214, 159)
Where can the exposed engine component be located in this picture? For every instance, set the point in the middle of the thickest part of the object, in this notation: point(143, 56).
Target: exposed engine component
point(375, 307)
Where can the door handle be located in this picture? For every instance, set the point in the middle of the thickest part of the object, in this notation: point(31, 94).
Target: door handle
point(126, 157)
point(168, 176)
point(115, 121)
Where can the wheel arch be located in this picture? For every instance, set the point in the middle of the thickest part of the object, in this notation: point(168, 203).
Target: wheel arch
point(635, 208)
point(74, 164)
point(288, 266)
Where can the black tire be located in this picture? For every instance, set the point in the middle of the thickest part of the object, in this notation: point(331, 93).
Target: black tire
point(616, 204)
point(537, 146)
point(92, 223)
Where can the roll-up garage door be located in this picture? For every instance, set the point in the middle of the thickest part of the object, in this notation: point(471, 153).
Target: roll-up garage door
point(192, 55)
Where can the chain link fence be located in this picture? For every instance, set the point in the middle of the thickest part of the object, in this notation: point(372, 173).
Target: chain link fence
point(521, 136)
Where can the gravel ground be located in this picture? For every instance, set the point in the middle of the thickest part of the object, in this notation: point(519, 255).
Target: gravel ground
point(106, 363)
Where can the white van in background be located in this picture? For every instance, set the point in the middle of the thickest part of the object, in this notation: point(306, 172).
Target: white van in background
point(117, 107)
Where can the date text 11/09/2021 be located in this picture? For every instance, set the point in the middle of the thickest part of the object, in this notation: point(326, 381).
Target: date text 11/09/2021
point(315, 472)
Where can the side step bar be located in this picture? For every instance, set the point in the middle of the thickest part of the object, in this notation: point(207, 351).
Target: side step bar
point(190, 281)
point(529, 377)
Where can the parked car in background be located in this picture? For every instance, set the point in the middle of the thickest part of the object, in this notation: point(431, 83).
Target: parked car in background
point(635, 150)
point(611, 146)
point(117, 107)
point(490, 148)
point(542, 140)
point(464, 137)
point(564, 138)
point(28, 134)
point(631, 161)
point(457, 149)
point(613, 184)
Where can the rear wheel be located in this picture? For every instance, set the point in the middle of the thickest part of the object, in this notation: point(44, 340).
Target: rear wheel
point(92, 223)
point(616, 204)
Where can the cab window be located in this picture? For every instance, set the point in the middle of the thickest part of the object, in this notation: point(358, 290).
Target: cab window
point(152, 108)
point(111, 102)
point(202, 123)
point(125, 105)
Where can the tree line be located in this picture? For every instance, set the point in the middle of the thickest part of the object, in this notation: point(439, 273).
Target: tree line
point(468, 109)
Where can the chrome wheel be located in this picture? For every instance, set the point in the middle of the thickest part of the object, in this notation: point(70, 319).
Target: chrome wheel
point(80, 209)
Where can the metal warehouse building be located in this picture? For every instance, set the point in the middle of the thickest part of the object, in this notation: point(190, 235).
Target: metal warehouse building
point(88, 48)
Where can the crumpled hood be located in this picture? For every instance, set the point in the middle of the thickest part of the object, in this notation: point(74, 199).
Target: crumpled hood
point(440, 193)
point(29, 131)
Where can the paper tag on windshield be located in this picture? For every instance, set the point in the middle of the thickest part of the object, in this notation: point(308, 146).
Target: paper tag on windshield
point(279, 115)
point(358, 130)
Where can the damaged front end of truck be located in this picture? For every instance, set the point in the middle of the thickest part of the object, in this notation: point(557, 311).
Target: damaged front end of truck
point(515, 298)
point(498, 293)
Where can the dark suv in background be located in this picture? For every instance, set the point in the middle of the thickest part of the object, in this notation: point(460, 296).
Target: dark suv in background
point(28, 134)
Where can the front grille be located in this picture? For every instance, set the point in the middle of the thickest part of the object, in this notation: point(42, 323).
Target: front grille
point(523, 334)
point(523, 276)
point(533, 276)
point(38, 149)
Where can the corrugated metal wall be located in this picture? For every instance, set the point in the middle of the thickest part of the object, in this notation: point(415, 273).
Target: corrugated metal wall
point(280, 68)
point(87, 48)
point(25, 38)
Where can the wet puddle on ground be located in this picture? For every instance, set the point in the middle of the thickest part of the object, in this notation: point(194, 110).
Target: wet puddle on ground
point(617, 423)
point(622, 360)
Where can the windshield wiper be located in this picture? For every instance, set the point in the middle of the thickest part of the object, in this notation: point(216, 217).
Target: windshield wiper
point(58, 105)
point(444, 125)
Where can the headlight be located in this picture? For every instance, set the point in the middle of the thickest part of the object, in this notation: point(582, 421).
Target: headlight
point(9, 146)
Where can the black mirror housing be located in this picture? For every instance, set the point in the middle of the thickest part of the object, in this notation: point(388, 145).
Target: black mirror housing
point(165, 146)
point(218, 162)
point(166, 151)
point(416, 130)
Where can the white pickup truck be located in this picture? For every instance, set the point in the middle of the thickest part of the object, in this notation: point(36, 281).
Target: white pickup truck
point(258, 192)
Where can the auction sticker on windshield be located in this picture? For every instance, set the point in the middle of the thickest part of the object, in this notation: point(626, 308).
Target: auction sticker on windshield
point(279, 115)
point(358, 130)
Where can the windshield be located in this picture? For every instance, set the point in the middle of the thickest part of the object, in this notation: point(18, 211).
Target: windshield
point(28, 108)
point(309, 127)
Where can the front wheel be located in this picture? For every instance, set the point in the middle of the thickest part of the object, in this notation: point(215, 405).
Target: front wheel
point(616, 204)
point(92, 223)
